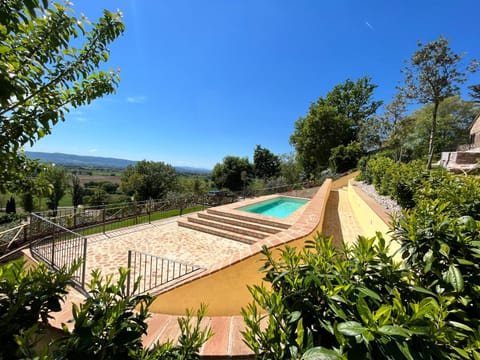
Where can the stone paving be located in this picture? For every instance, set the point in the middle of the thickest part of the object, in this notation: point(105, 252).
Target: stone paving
point(163, 238)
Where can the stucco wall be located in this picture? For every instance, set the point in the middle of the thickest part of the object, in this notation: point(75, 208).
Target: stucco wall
point(371, 217)
point(224, 289)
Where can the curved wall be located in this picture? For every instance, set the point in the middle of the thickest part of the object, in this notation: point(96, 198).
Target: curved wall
point(224, 288)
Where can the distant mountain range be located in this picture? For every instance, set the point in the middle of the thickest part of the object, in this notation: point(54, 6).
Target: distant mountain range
point(96, 161)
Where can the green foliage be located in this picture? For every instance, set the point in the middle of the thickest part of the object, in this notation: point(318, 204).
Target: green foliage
point(432, 75)
point(332, 121)
point(266, 164)
point(10, 207)
point(344, 158)
point(58, 180)
point(358, 303)
point(290, 169)
point(43, 75)
point(189, 343)
point(475, 92)
point(316, 134)
point(228, 174)
point(77, 191)
point(99, 197)
point(27, 202)
point(25, 297)
point(109, 324)
point(454, 117)
point(149, 180)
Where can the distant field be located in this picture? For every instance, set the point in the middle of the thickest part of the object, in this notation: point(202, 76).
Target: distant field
point(99, 178)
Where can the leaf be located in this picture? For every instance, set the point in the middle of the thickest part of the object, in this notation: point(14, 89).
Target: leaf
point(393, 331)
point(369, 293)
point(461, 326)
point(364, 310)
point(455, 278)
point(351, 328)
point(422, 290)
point(320, 353)
point(300, 333)
point(445, 250)
point(465, 262)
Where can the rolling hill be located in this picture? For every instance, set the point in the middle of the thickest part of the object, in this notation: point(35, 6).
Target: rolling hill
point(96, 161)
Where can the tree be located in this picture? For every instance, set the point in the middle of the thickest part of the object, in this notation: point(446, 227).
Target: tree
point(44, 72)
point(149, 180)
point(290, 169)
point(58, 179)
point(475, 92)
point(266, 164)
point(27, 202)
point(77, 191)
point(354, 101)
point(316, 134)
point(229, 173)
point(332, 121)
point(11, 207)
point(344, 158)
point(454, 117)
point(432, 75)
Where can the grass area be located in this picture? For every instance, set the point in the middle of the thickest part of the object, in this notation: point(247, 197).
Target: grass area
point(139, 220)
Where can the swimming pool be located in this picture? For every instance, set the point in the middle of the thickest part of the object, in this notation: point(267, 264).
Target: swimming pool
point(280, 207)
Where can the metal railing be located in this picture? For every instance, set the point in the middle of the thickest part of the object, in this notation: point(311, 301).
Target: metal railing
point(60, 248)
point(154, 271)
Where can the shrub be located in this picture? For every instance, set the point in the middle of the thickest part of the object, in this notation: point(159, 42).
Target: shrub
point(25, 297)
point(358, 303)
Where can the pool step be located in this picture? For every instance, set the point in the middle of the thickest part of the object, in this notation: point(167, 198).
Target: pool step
point(237, 236)
point(245, 228)
point(238, 222)
point(247, 218)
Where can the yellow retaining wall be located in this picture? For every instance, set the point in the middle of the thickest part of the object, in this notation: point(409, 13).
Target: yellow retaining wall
point(224, 290)
point(371, 217)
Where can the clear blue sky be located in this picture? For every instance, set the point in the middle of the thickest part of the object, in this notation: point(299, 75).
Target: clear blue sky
point(201, 80)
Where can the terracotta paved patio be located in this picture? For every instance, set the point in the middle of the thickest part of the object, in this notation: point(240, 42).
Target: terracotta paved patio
point(163, 238)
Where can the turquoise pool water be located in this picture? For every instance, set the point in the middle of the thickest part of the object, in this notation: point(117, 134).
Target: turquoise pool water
point(279, 207)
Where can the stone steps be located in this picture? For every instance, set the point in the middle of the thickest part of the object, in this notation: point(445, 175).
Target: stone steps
point(231, 225)
point(216, 231)
point(251, 219)
point(238, 222)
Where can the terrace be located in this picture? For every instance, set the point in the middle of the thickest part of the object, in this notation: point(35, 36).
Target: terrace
point(221, 267)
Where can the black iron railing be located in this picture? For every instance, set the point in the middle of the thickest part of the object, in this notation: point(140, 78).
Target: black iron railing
point(60, 248)
point(154, 271)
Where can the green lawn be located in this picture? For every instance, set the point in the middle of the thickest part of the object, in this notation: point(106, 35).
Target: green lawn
point(140, 220)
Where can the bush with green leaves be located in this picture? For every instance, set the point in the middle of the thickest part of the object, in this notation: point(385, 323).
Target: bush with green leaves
point(27, 297)
point(108, 325)
point(356, 303)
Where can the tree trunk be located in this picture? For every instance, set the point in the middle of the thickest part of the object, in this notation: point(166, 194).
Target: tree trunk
point(433, 129)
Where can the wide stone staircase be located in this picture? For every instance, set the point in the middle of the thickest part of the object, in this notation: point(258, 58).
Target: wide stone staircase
point(232, 226)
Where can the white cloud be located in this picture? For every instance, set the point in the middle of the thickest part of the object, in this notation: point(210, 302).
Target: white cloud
point(369, 26)
point(92, 151)
point(136, 99)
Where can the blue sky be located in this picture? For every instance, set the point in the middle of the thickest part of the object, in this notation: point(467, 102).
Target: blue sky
point(201, 80)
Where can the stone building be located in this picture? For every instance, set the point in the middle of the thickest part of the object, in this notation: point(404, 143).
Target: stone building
point(467, 156)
